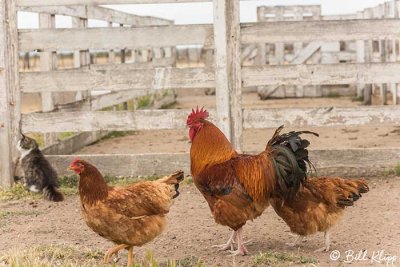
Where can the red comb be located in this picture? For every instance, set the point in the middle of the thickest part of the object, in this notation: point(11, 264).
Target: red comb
point(75, 160)
point(196, 115)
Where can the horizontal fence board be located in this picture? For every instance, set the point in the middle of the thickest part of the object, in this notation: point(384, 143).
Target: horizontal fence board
point(116, 79)
point(329, 30)
point(317, 117)
point(114, 38)
point(119, 77)
point(172, 119)
point(104, 120)
point(319, 74)
point(99, 2)
point(338, 162)
point(270, 32)
point(99, 13)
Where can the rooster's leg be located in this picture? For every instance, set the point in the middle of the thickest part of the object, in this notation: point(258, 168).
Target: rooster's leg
point(130, 256)
point(112, 251)
point(327, 243)
point(241, 249)
point(229, 244)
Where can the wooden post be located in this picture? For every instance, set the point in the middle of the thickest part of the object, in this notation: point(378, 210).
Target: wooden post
point(228, 69)
point(10, 113)
point(48, 62)
point(360, 58)
point(81, 58)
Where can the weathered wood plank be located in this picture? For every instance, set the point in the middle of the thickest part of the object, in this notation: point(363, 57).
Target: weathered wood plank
point(107, 14)
point(313, 117)
point(105, 120)
point(321, 74)
point(125, 77)
point(114, 38)
point(308, 31)
point(117, 80)
point(98, 2)
point(9, 92)
point(99, 13)
point(354, 162)
point(228, 69)
point(48, 62)
point(171, 119)
point(73, 143)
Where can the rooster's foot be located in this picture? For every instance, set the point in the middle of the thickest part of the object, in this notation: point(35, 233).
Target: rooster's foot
point(228, 245)
point(242, 250)
point(327, 242)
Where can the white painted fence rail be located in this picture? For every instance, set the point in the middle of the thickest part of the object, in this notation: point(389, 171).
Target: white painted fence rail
point(172, 35)
point(175, 119)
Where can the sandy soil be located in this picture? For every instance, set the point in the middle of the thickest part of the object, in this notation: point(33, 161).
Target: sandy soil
point(371, 225)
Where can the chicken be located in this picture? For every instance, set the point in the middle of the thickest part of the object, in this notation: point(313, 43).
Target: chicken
point(237, 186)
point(318, 205)
point(128, 216)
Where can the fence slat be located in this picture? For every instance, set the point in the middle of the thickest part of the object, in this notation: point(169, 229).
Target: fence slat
point(99, 2)
point(117, 80)
point(172, 119)
point(125, 77)
point(330, 30)
point(321, 74)
point(115, 38)
point(318, 117)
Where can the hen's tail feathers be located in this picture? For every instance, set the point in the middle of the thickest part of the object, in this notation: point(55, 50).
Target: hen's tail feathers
point(51, 193)
point(174, 179)
point(351, 191)
point(290, 159)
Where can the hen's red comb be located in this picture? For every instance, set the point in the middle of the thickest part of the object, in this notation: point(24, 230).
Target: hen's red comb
point(75, 160)
point(196, 115)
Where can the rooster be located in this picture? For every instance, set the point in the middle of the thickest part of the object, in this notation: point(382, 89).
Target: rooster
point(318, 205)
point(237, 186)
point(128, 216)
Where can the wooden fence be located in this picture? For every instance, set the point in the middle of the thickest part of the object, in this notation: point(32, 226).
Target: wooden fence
point(225, 36)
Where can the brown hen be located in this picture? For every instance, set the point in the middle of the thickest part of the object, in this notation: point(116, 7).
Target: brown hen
point(318, 205)
point(128, 216)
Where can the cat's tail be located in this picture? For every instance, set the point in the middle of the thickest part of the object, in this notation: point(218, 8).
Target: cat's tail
point(52, 194)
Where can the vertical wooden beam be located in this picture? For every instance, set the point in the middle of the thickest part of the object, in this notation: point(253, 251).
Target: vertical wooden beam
point(111, 53)
point(228, 69)
point(10, 112)
point(360, 53)
point(48, 62)
point(81, 58)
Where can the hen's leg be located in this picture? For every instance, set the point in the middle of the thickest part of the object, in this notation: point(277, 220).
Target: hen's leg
point(241, 249)
point(130, 256)
point(229, 244)
point(327, 243)
point(112, 251)
point(298, 239)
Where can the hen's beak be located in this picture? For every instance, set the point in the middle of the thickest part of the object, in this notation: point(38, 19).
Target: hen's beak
point(70, 168)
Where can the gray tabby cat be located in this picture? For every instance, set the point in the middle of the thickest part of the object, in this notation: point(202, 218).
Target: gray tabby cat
point(39, 176)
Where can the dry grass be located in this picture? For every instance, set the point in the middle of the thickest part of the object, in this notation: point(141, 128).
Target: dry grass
point(71, 256)
point(280, 259)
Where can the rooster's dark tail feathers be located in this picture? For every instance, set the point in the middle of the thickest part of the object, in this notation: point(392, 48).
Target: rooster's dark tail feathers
point(290, 159)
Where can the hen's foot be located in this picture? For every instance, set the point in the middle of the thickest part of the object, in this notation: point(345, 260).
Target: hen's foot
point(112, 251)
point(321, 249)
point(130, 256)
point(241, 250)
point(296, 242)
point(327, 242)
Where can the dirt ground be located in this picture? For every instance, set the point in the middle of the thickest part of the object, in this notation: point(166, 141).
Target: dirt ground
point(371, 226)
